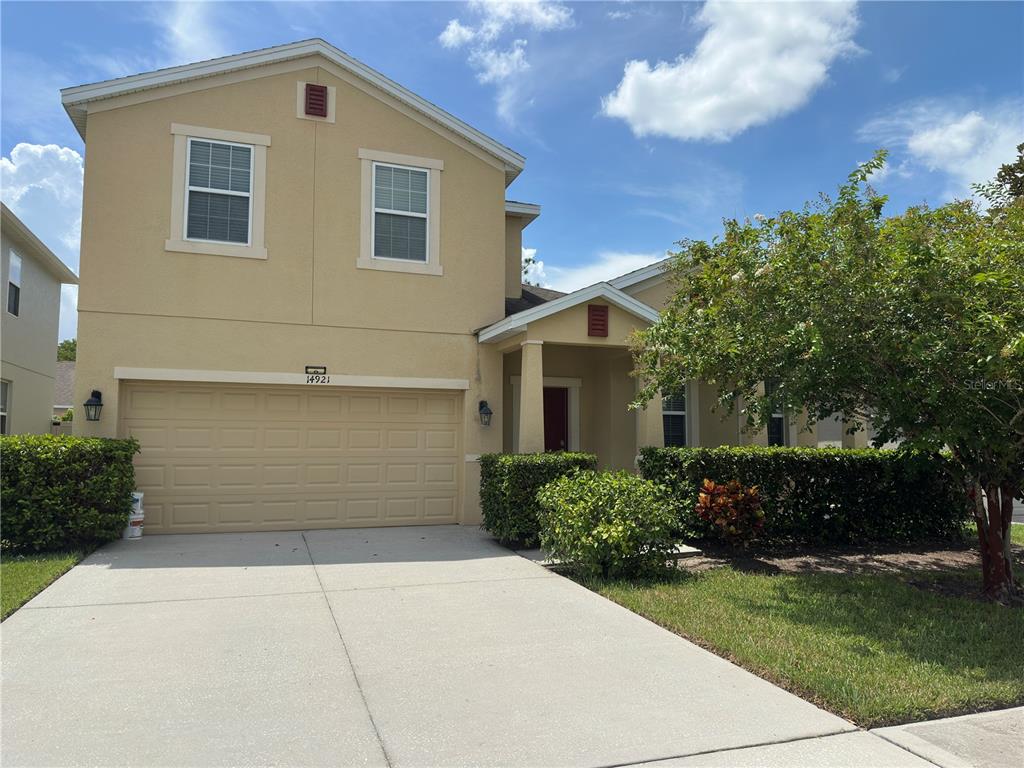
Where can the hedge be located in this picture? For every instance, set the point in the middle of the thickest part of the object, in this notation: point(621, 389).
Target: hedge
point(59, 492)
point(820, 495)
point(606, 524)
point(508, 490)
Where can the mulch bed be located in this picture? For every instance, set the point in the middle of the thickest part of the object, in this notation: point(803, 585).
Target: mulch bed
point(944, 569)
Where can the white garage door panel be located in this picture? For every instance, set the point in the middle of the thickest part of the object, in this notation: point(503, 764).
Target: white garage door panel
point(229, 457)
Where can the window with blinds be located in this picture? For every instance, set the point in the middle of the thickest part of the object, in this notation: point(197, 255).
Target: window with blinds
point(777, 421)
point(400, 212)
point(219, 201)
point(673, 418)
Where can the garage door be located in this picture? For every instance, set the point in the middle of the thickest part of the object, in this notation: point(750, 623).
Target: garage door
point(252, 458)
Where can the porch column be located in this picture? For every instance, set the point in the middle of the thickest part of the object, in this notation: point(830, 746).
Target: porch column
point(531, 398)
point(650, 429)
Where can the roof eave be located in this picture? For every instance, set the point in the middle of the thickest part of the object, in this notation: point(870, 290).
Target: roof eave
point(517, 323)
point(75, 98)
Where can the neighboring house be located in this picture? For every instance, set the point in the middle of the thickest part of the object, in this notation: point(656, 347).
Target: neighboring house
point(301, 292)
point(63, 391)
point(32, 276)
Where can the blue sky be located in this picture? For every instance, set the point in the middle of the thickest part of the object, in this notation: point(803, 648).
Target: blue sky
point(642, 123)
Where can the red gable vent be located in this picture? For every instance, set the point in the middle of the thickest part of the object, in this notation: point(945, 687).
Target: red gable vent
point(597, 320)
point(316, 100)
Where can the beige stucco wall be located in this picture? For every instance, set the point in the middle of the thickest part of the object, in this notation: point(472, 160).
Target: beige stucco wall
point(570, 327)
point(607, 426)
point(28, 342)
point(307, 303)
point(514, 256)
point(654, 293)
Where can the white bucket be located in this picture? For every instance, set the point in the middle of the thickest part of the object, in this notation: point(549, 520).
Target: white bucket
point(134, 528)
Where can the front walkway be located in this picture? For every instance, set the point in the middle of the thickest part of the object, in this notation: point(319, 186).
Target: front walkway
point(403, 647)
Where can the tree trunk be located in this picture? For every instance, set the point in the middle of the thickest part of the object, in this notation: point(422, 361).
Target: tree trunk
point(993, 512)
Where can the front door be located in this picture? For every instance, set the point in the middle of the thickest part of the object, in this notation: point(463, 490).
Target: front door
point(556, 418)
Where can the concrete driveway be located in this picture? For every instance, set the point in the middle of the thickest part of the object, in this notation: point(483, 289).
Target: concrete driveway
point(403, 647)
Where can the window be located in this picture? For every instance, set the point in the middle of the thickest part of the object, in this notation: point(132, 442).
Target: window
point(5, 393)
point(219, 191)
point(400, 212)
point(14, 285)
point(777, 421)
point(673, 418)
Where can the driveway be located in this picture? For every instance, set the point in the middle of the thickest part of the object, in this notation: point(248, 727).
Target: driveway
point(404, 646)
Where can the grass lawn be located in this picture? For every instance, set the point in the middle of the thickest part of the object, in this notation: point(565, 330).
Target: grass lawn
point(22, 577)
point(870, 647)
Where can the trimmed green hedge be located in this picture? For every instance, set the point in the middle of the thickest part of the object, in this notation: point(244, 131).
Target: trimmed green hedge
point(508, 490)
point(606, 523)
point(59, 492)
point(820, 495)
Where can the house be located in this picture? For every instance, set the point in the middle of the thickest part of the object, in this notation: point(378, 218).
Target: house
point(301, 292)
point(32, 275)
point(63, 391)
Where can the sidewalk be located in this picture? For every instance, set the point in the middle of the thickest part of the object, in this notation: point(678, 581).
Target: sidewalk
point(988, 740)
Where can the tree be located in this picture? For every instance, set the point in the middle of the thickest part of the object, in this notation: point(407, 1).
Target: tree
point(67, 349)
point(1008, 185)
point(914, 323)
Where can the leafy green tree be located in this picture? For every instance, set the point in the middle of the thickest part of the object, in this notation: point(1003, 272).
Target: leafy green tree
point(914, 324)
point(67, 349)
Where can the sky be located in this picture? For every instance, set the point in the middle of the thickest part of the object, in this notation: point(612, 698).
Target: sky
point(643, 124)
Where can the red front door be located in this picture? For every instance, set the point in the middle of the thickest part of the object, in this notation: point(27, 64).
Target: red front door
point(556, 419)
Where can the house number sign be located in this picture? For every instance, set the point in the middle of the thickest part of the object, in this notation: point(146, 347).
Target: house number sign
point(317, 374)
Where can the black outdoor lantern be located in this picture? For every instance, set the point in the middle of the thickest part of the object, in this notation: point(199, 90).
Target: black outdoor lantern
point(485, 414)
point(93, 406)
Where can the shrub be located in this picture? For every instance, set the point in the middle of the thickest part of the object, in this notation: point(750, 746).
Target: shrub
point(59, 492)
point(508, 490)
point(734, 510)
point(68, 415)
point(607, 523)
point(819, 496)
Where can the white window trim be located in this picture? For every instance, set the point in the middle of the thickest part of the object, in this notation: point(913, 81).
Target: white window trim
point(573, 385)
point(369, 159)
point(12, 255)
point(177, 242)
point(300, 103)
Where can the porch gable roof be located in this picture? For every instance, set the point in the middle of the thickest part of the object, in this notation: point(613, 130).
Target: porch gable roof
point(517, 323)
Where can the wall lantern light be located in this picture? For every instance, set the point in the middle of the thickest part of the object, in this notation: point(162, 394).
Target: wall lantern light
point(93, 406)
point(485, 414)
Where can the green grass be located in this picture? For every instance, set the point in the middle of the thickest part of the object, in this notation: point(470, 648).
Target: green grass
point(1017, 534)
point(22, 577)
point(868, 647)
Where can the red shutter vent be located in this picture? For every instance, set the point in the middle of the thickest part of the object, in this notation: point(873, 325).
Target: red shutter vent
point(597, 320)
point(316, 100)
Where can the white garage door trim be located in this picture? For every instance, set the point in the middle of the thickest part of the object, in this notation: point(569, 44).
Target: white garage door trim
point(267, 377)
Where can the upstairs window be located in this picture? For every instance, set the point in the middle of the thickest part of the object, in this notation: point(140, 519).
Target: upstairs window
point(14, 285)
point(400, 208)
point(673, 418)
point(219, 204)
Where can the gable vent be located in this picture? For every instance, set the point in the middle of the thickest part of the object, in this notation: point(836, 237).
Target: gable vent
point(597, 320)
point(316, 100)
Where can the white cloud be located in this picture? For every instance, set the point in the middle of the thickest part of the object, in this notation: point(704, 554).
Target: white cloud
point(42, 184)
point(966, 145)
point(493, 63)
point(456, 34)
point(188, 32)
point(756, 62)
point(605, 266)
point(497, 66)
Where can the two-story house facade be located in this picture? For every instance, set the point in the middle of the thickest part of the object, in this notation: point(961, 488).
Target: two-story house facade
point(31, 276)
point(301, 292)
